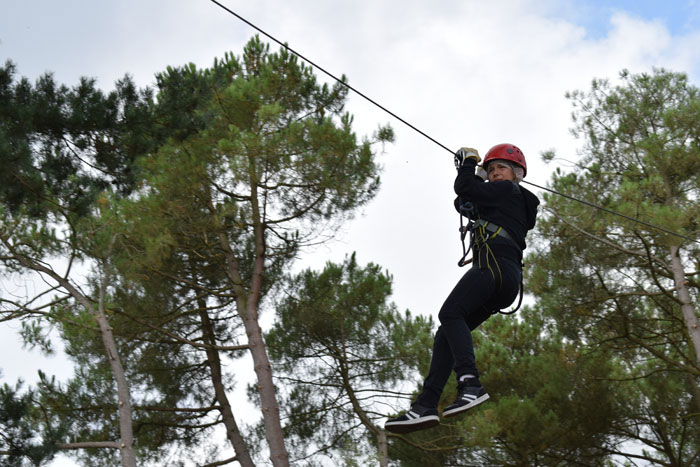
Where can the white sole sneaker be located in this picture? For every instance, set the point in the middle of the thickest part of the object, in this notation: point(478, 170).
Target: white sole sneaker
point(471, 402)
point(412, 421)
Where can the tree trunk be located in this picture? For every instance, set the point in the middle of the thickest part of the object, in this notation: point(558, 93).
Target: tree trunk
point(266, 389)
point(247, 306)
point(383, 449)
point(126, 446)
point(689, 316)
point(126, 443)
point(213, 360)
point(247, 303)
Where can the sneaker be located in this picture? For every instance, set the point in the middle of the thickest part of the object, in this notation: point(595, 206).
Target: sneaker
point(467, 397)
point(418, 418)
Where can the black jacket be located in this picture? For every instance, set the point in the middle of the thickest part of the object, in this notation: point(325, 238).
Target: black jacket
point(503, 203)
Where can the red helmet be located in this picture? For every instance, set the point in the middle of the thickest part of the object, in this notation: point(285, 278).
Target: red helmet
point(507, 152)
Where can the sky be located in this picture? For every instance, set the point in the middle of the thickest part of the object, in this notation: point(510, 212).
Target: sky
point(467, 73)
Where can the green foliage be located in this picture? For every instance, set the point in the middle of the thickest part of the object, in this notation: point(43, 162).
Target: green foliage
point(607, 283)
point(267, 146)
point(642, 146)
point(86, 406)
point(340, 350)
point(664, 418)
point(256, 152)
point(162, 190)
point(26, 437)
point(554, 403)
point(61, 146)
point(169, 380)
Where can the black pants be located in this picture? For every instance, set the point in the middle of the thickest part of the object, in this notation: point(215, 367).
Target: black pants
point(477, 294)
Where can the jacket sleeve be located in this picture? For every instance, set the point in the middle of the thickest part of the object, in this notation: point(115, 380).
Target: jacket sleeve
point(470, 187)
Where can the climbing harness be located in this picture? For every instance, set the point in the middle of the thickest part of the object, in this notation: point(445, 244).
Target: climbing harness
point(469, 211)
point(480, 232)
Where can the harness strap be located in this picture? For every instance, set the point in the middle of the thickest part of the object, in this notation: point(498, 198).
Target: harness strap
point(463, 231)
point(494, 229)
point(486, 231)
point(520, 302)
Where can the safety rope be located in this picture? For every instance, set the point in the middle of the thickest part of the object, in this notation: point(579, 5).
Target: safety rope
point(285, 46)
point(479, 235)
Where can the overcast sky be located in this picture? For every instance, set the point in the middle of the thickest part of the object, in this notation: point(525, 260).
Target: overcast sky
point(468, 73)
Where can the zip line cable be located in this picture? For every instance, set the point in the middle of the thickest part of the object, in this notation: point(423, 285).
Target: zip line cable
point(320, 68)
point(333, 76)
point(613, 212)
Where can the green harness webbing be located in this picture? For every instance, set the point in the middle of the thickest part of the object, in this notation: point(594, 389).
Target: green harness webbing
point(481, 232)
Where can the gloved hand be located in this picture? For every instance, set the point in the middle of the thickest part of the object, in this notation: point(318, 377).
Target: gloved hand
point(466, 153)
point(481, 173)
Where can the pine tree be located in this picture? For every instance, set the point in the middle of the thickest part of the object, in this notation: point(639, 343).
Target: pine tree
point(623, 287)
point(341, 350)
point(59, 148)
point(266, 164)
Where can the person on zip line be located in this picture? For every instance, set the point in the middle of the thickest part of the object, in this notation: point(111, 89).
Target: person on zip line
point(500, 213)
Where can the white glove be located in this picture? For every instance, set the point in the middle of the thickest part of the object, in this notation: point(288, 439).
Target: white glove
point(466, 153)
point(481, 173)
